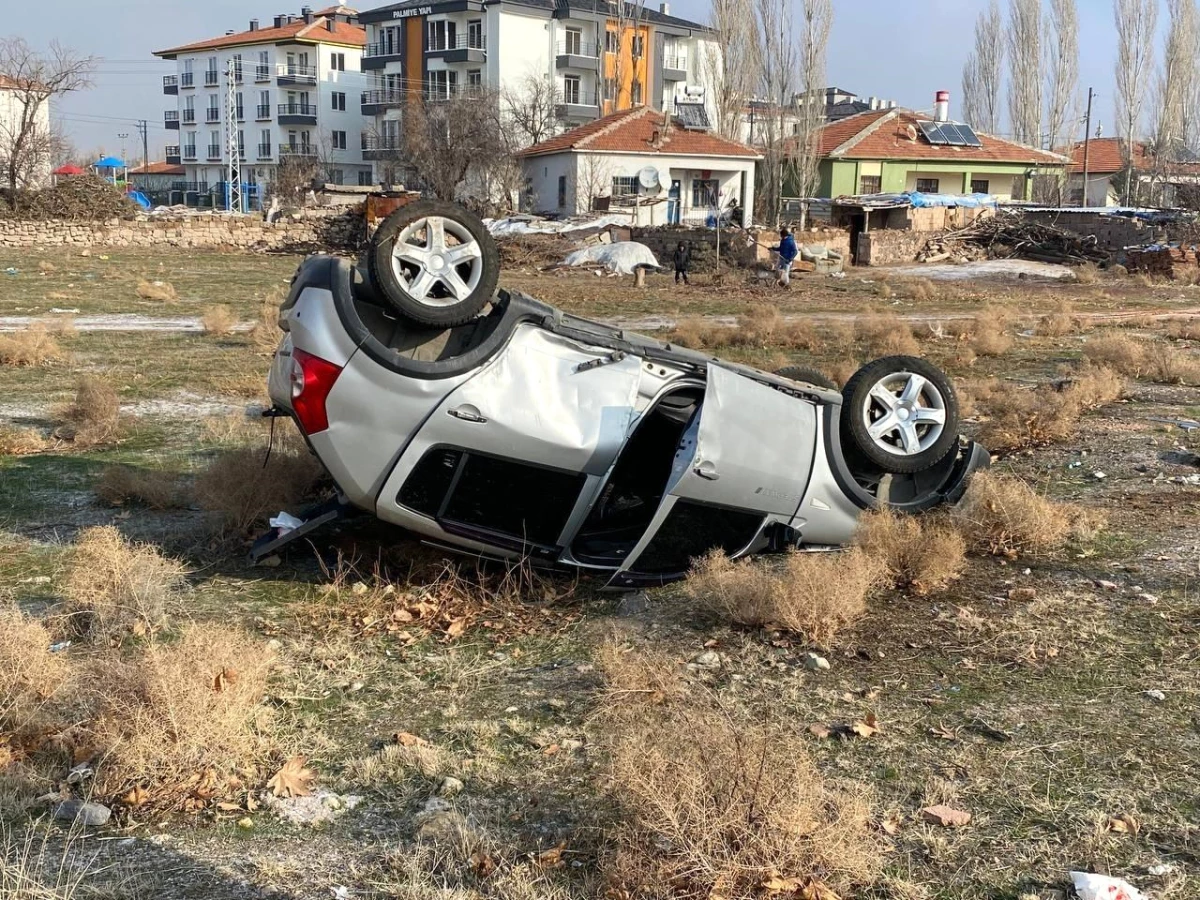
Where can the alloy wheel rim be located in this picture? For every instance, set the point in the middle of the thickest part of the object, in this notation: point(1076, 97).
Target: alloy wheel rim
point(437, 261)
point(905, 414)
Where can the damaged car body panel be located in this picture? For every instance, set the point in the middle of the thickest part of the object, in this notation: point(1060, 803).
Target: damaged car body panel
point(526, 433)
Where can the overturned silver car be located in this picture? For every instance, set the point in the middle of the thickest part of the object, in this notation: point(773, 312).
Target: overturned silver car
point(494, 424)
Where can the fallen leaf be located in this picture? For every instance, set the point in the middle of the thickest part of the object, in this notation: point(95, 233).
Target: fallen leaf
point(1023, 595)
point(404, 739)
point(818, 730)
point(456, 627)
point(1124, 824)
point(778, 885)
point(483, 864)
point(709, 644)
point(552, 858)
point(890, 824)
point(225, 679)
point(136, 797)
point(946, 816)
point(941, 731)
point(551, 750)
point(229, 807)
point(817, 890)
point(293, 780)
point(866, 728)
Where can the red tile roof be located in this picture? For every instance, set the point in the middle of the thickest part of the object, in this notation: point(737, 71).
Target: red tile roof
point(1107, 156)
point(159, 168)
point(314, 32)
point(635, 131)
point(337, 11)
point(894, 134)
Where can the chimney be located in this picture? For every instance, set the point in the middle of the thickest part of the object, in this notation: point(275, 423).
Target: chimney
point(307, 13)
point(254, 24)
point(941, 107)
point(873, 103)
point(279, 21)
point(331, 24)
point(664, 8)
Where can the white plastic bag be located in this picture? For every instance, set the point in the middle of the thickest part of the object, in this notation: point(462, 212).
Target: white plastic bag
point(1101, 887)
point(622, 257)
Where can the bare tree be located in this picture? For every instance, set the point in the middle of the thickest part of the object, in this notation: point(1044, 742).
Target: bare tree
point(628, 16)
point(446, 138)
point(1176, 88)
point(733, 70)
point(1136, 21)
point(593, 178)
point(28, 82)
point(531, 109)
point(1025, 71)
point(1062, 71)
point(984, 71)
point(779, 62)
point(804, 153)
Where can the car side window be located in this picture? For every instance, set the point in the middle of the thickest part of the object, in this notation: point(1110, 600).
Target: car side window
point(693, 529)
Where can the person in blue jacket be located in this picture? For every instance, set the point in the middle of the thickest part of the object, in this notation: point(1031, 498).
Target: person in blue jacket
point(786, 248)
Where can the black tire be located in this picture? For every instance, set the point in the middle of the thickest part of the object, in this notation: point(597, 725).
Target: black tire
point(859, 406)
point(805, 375)
point(446, 313)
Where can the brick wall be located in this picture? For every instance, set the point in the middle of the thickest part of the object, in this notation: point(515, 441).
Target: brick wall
point(887, 248)
point(1112, 232)
point(333, 229)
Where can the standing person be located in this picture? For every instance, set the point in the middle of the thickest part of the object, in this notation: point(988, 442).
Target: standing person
point(786, 248)
point(682, 259)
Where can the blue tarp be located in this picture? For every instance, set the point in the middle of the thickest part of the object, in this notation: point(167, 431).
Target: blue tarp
point(968, 201)
point(110, 162)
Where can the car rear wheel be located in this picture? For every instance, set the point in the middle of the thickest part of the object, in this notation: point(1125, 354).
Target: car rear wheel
point(805, 375)
point(435, 263)
point(900, 414)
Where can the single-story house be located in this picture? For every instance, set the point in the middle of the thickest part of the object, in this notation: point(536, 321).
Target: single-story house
point(900, 150)
point(660, 167)
point(155, 177)
point(1155, 183)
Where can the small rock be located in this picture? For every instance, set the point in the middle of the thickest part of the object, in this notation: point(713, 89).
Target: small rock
point(556, 703)
point(1148, 598)
point(1107, 585)
point(1161, 869)
point(274, 644)
point(440, 827)
point(245, 823)
point(1024, 594)
point(710, 659)
point(1156, 696)
point(1099, 476)
point(274, 561)
point(633, 605)
point(358, 589)
point(450, 787)
point(85, 813)
point(571, 744)
point(80, 774)
point(815, 663)
point(436, 805)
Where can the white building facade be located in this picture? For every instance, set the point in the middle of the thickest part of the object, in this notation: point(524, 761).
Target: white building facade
point(297, 86)
point(35, 164)
point(595, 64)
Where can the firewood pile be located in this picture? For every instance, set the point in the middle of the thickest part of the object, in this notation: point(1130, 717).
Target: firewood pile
point(1012, 236)
point(534, 251)
point(1160, 261)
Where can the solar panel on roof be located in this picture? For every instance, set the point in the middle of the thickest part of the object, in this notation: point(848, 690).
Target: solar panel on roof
point(949, 134)
point(953, 134)
point(932, 132)
point(692, 116)
point(970, 138)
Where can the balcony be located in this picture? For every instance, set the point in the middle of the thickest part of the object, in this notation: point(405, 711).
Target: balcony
point(211, 77)
point(378, 100)
point(189, 117)
point(190, 187)
point(463, 48)
point(264, 151)
point(291, 73)
point(302, 151)
point(579, 106)
point(577, 55)
point(675, 68)
point(170, 84)
point(380, 146)
point(174, 157)
point(212, 115)
point(297, 114)
point(262, 73)
point(377, 56)
point(214, 151)
point(171, 119)
point(187, 80)
point(189, 153)
point(262, 112)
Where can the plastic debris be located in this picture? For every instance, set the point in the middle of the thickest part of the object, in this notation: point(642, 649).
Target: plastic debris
point(1101, 887)
point(623, 257)
point(60, 646)
point(1156, 696)
point(12, 270)
point(285, 522)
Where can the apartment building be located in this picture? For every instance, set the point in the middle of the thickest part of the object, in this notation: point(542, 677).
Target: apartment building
point(598, 61)
point(759, 117)
point(297, 86)
point(33, 168)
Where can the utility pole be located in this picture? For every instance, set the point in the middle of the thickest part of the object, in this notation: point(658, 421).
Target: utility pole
point(233, 187)
point(1087, 146)
point(144, 128)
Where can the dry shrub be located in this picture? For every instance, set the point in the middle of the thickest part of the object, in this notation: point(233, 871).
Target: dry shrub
point(884, 291)
point(921, 290)
point(988, 337)
point(32, 678)
point(638, 677)
point(161, 291)
point(217, 320)
point(95, 415)
point(922, 555)
point(33, 347)
point(1183, 329)
point(814, 594)
point(265, 334)
point(1019, 418)
point(1117, 351)
point(1166, 365)
point(1088, 273)
point(116, 588)
point(842, 371)
point(1061, 322)
point(183, 722)
point(697, 334)
point(975, 394)
point(717, 807)
point(886, 334)
point(243, 491)
point(62, 325)
point(45, 267)
point(152, 488)
point(1001, 515)
point(21, 441)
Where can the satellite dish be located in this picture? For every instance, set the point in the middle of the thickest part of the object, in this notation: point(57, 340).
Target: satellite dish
point(911, 133)
point(648, 178)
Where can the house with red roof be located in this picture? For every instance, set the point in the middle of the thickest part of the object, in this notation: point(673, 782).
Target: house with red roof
point(1154, 181)
point(661, 167)
point(900, 150)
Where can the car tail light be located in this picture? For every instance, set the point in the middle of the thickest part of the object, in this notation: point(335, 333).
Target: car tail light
point(312, 380)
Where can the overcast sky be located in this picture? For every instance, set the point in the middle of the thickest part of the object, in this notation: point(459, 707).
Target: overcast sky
point(902, 50)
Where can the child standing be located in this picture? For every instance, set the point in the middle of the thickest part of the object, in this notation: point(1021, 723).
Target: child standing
point(683, 260)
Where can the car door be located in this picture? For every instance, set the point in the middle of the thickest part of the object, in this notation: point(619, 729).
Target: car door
point(506, 457)
point(744, 461)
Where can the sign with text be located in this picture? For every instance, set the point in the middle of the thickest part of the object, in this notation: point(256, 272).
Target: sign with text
point(414, 11)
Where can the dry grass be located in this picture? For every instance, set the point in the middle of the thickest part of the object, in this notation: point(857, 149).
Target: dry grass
point(161, 291)
point(1004, 516)
point(1167, 365)
point(886, 334)
point(35, 346)
point(218, 320)
point(242, 491)
point(842, 371)
point(921, 555)
point(115, 588)
point(1183, 329)
point(32, 678)
point(921, 290)
point(181, 725)
point(1148, 360)
point(1117, 351)
point(264, 336)
point(1061, 322)
point(1021, 418)
point(989, 336)
point(1088, 273)
point(813, 594)
point(152, 488)
point(21, 441)
point(95, 415)
point(638, 677)
point(723, 815)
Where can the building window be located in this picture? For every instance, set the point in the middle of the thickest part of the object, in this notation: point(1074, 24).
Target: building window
point(870, 184)
point(574, 42)
point(241, 110)
point(624, 185)
point(339, 141)
point(980, 186)
point(572, 89)
point(638, 46)
point(610, 88)
point(214, 108)
point(241, 144)
point(562, 191)
point(210, 76)
point(263, 70)
point(611, 43)
point(475, 34)
point(337, 62)
point(440, 85)
point(705, 191)
point(635, 93)
point(475, 80)
point(364, 178)
point(337, 176)
point(237, 67)
point(339, 101)
point(439, 36)
point(927, 185)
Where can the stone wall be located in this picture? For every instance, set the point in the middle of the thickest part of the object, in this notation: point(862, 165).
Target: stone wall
point(738, 248)
point(888, 248)
point(1112, 233)
point(310, 230)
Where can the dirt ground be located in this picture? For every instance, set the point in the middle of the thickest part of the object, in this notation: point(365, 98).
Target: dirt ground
point(1045, 714)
